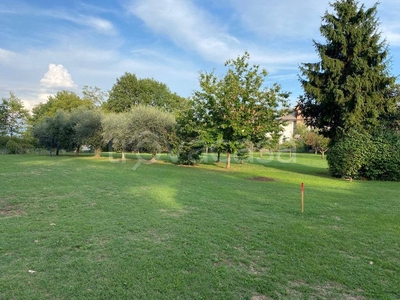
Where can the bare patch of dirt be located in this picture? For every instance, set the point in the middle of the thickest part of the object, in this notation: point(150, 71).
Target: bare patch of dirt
point(11, 211)
point(260, 297)
point(329, 290)
point(260, 178)
point(153, 236)
point(177, 213)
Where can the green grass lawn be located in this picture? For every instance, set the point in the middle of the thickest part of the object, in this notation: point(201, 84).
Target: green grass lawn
point(103, 229)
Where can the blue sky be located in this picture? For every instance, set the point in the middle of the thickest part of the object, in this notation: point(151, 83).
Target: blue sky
point(47, 46)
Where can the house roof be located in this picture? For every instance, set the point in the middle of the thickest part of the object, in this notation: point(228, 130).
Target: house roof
point(289, 117)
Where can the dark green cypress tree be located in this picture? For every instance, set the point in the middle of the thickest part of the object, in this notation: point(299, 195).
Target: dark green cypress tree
point(346, 89)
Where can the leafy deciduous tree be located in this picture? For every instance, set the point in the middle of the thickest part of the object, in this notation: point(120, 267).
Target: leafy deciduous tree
point(56, 132)
point(87, 128)
point(322, 144)
point(13, 115)
point(116, 130)
point(63, 100)
point(238, 106)
point(130, 91)
point(144, 128)
point(150, 129)
point(94, 94)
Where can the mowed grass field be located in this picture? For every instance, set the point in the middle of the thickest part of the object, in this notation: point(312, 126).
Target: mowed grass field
point(86, 228)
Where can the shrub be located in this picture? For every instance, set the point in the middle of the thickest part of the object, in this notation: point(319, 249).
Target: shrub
point(349, 155)
point(3, 141)
point(190, 153)
point(242, 154)
point(372, 156)
point(17, 145)
point(384, 162)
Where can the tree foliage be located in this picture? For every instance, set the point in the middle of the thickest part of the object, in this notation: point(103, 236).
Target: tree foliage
point(373, 156)
point(187, 137)
point(322, 144)
point(116, 131)
point(87, 128)
point(63, 100)
point(391, 119)
point(96, 95)
point(56, 132)
point(346, 88)
point(13, 116)
point(144, 128)
point(150, 129)
point(129, 91)
point(237, 105)
point(16, 145)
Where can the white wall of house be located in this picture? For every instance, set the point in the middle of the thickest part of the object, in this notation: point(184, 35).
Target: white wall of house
point(288, 131)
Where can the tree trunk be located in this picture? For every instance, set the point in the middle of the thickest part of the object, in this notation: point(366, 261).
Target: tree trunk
point(219, 156)
point(322, 154)
point(316, 151)
point(228, 160)
point(153, 157)
point(57, 151)
point(123, 155)
point(206, 149)
point(97, 152)
point(261, 154)
point(77, 151)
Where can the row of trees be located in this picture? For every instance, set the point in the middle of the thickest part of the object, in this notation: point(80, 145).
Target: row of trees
point(349, 90)
point(142, 128)
point(227, 112)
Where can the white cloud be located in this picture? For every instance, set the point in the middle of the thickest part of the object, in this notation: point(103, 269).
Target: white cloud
point(289, 18)
point(296, 19)
point(188, 26)
point(192, 28)
point(6, 56)
point(392, 35)
point(101, 25)
point(57, 76)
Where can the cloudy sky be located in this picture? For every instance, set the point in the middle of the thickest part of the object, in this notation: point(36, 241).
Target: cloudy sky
point(47, 45)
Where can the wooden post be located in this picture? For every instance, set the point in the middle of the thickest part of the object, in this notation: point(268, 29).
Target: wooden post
point(302, 197)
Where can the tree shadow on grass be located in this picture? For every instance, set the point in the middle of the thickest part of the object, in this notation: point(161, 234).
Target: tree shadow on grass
point(298, 168)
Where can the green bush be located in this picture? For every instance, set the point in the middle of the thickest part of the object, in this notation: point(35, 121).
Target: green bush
point(190, 153)
point(242, 154)
point(349, 155)
point(384, 163)
point(3, 141)
point(16, 145)
point(375, 157)
point(13, 147)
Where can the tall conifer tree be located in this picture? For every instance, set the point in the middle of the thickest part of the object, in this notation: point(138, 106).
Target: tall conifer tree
point(346, 89)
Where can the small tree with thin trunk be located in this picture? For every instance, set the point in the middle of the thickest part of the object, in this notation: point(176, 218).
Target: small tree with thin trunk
point(116, 131)
point(56, 132)
point(322, 144)
point(150, 128)
point(143, 128)
point(13, 115)
point(87, 128)
point(238, 106)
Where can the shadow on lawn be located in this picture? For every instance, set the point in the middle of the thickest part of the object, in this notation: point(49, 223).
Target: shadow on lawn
point(309, 165)
point(298, 168)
